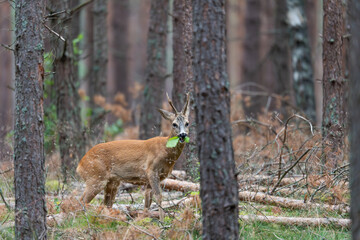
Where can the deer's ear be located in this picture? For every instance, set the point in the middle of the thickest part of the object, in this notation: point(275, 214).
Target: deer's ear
point(167, 115)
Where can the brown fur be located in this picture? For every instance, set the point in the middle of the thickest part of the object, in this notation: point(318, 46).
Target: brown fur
point(143, 162)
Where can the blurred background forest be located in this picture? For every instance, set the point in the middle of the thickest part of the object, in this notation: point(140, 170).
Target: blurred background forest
point(260, 48)
point(109, 65)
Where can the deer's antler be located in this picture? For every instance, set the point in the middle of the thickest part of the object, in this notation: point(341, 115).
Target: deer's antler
point(171, 103)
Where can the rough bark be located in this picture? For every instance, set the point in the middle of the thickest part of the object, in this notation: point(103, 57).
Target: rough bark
point(97, 84)
point(354, 115)
point(29, 178)
point(302, 72)
point(183, 80)
point(118, 48)
point(71, 138)
point(150, 119)
point(6, 93)
point(334, 83)
point(251, 79)
point(298, 221)
point(212, 96)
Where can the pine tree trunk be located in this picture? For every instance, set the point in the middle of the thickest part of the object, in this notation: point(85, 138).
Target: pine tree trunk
point(150, 119)
point(354, 115)
point(183, 80)
point(6, 93)
point(302, 72)
point(281, 53)
point(30, 208)
point(118, 48)
point(71, 138)
point(251, 79)
point(334, 82)
point(218, 190)
point(97, 84)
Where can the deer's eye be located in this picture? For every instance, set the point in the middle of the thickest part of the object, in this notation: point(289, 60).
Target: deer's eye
point(186, 124)
point(175, 125)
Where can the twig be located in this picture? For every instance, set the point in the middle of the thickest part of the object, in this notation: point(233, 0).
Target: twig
point(55, 33)
point(2, 197)
point(142, 230)
point(7, 170)
point(288, 170)
point(7, 47)
point(81, 5)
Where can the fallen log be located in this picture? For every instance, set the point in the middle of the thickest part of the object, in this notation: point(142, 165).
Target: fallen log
point(298, 221)
point(182, 186)
point(288, 202)
point(269, 180)
point(177, 174)
point(285, 191)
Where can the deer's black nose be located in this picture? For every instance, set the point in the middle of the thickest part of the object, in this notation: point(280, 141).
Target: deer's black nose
point(182, 135)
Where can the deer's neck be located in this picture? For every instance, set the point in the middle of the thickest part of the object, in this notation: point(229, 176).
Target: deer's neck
point(174, 153)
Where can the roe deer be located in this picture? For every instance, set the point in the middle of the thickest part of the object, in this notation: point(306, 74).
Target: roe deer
point(142, 162)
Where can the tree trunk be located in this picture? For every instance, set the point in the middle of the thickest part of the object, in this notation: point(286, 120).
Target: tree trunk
point(302, 72)
point(6, 93)
point(217, 169)
point(334, 83)
point(281, 53)
point(183, 79)
point(71, 138)
point(251, 80)
point(97, 84)
point(118, 48)
point(150, 119)
point(354, 64)
point(30, 208)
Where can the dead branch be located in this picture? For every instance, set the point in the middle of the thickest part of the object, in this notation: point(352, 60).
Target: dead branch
point(288, 170)
point(182, 186)
point(338, 222)
point(288, 202)
point(177, 174)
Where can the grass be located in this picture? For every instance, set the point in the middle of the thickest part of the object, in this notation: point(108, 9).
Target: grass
point(258, 231)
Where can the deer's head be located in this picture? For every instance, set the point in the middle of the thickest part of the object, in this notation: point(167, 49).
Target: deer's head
point(179, 120)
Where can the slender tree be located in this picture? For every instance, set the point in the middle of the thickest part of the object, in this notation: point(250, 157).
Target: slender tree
point(183, 78)
point(251, 79)
point(6, 93)
point(118, 48)
point(302, 72)
point(334, 82)
point(280, 53)
point(150, 119)
point(218, 190)
point(97, 84)
point(30, 208)
point(354, 115)
point(71, 139)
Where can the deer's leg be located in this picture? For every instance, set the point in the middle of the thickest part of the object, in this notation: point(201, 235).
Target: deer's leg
point(92, 189)
point(155, 185)
point(148, 196)
point(110, 192)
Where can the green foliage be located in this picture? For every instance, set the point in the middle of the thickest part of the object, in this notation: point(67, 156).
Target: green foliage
point(112, 130)
point(76, 43)
point(172, 142)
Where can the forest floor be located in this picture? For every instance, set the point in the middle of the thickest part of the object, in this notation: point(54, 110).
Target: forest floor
point(310, 201)
point(68, 219)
